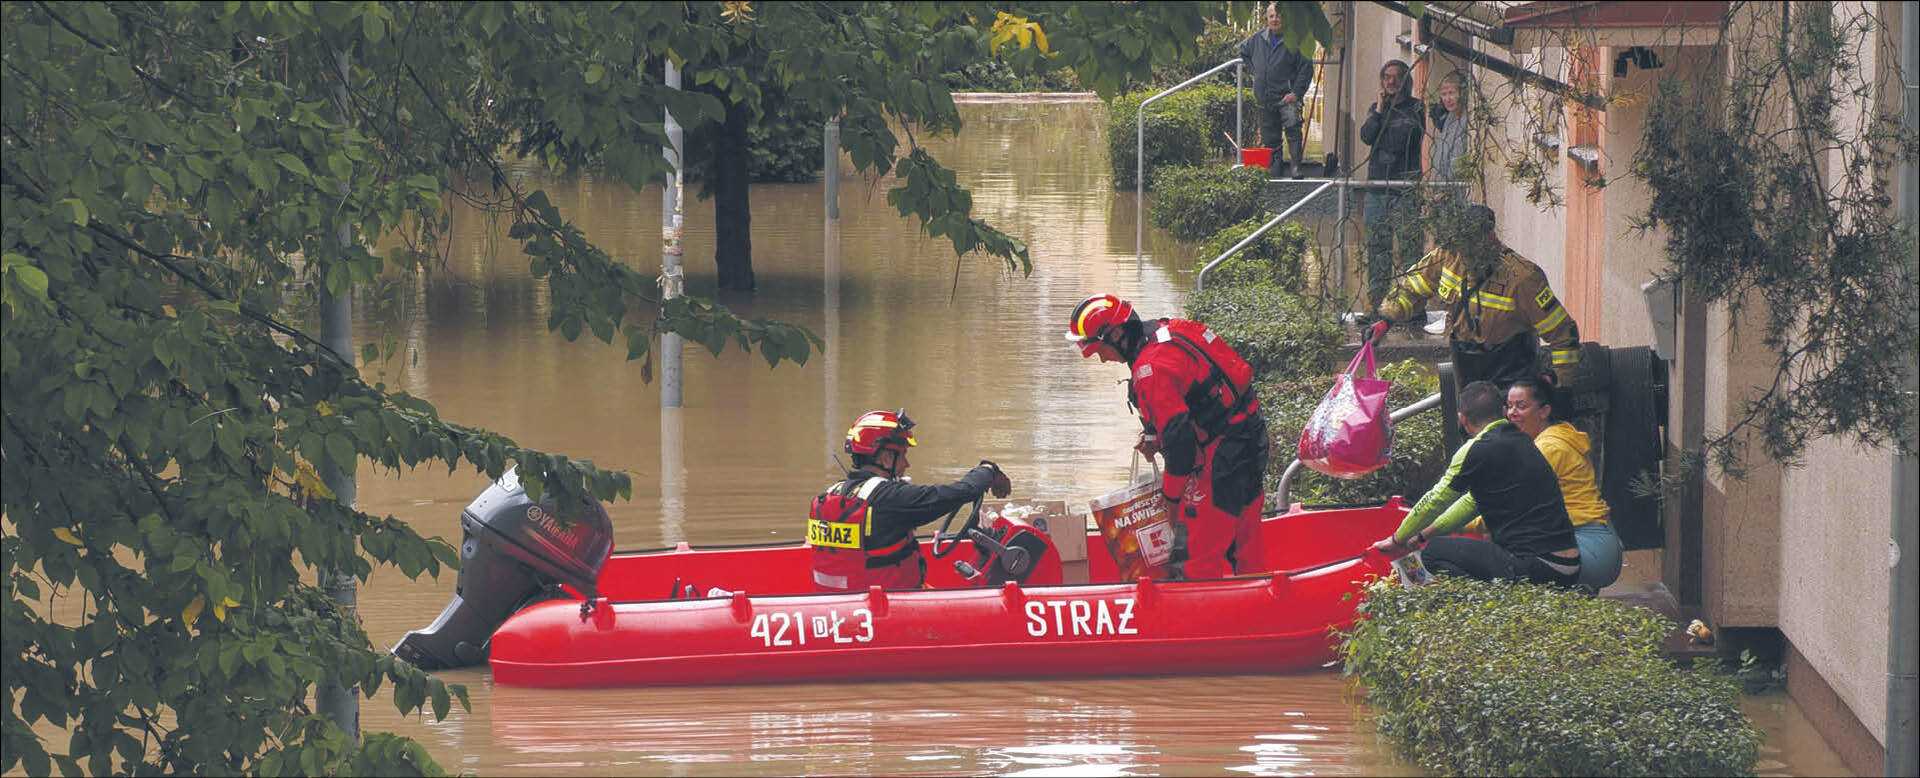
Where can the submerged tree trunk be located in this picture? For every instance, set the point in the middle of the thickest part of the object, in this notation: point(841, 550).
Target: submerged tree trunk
point(732, 215)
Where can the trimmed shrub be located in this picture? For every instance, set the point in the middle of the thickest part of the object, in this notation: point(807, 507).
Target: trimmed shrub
point(1418, 454)
point(1276, 258)
point(1473, 678)
point(1193, 202)
point(1181, 129)
point(1277, 332)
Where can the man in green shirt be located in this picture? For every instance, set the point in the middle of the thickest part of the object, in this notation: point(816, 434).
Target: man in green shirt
point(1501, 475)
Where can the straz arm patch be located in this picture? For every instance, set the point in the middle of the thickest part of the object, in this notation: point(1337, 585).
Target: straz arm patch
point(833, 534)
point(1544, 298)
point(1142, 372)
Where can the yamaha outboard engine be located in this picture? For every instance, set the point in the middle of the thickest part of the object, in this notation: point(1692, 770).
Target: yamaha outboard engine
point(512, 551)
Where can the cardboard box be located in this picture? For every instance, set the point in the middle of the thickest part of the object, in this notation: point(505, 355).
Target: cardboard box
point(1050, 516)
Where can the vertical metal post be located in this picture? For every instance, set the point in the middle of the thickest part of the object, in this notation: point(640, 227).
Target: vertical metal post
point(338, 698)
point(830, 167)
point(672, 278)
point(830, 276)
point(1343, 122)
point(1903, 592)
point(1139, 182)
point(1239, 124)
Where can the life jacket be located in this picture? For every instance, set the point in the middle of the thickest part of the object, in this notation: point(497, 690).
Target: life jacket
point(846, 554)
point(1224, 395)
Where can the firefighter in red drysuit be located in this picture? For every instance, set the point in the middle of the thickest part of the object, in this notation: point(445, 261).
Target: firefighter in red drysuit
point(1195, 399)
point(861, 529)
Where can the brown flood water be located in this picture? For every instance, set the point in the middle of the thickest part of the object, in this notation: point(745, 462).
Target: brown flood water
point(975, 356)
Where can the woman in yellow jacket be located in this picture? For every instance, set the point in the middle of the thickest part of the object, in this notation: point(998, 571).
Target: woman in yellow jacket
point(1530, 408)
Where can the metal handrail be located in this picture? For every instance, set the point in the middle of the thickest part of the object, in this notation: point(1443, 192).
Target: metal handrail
point(1424, 404)
point(1200, 282)
point(1140, 144)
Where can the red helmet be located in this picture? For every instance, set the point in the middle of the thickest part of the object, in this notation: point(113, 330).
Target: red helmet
point(1093, 317)
point(875, 430)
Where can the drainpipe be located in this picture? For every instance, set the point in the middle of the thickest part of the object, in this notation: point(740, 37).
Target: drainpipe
point(1903, 652)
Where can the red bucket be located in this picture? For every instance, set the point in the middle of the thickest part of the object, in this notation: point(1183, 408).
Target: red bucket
point(1256, 157)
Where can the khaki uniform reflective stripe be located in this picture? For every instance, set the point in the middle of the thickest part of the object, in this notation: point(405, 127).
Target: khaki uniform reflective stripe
point(1417, 282)
point(1565, 356)
point(1494, 301)
point(1449, 285)
point(1553, 320)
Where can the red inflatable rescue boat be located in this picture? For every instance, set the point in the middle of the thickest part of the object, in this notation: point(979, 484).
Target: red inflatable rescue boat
point(747, 614)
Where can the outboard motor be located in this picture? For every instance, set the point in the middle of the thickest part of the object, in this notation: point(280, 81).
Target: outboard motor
point(512, 551)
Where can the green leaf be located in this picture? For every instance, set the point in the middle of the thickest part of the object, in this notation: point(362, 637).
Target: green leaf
point(595, 72)
point(293, 164)
point(340, 450)
point(76, 210)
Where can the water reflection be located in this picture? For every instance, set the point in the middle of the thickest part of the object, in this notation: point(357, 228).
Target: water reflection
point(1134, 727)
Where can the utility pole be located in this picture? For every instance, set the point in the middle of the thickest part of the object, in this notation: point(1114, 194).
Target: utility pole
point(335, 699)
point(672, 278)
point(673, 472)
point(830, 272)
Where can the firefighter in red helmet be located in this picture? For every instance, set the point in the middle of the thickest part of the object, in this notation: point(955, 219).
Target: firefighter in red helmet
point(1196, 401)
point(861, 528)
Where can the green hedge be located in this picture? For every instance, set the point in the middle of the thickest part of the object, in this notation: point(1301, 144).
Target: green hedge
point(997, 76)
point(1195, 201)
point(1278, 333)
point(1276, 258)
point(1418, 450)
point(1472, 678)
point(1181, 129)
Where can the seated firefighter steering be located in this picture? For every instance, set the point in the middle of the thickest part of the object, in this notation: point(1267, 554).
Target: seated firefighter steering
point(861, 528)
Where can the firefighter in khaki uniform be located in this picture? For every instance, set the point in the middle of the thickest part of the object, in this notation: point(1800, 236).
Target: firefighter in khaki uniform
point(1499, 306)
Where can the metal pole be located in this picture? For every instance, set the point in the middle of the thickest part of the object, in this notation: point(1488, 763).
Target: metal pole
point(1342, 149)
point(830, 167)
point(1139, 182)
point(1140, 154)
point(672, 278)
point(337, 698)
point(830, 271)
point(1239, 98)
point(1903, 591)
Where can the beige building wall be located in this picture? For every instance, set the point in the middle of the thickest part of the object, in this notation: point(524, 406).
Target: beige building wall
point(1834, 515)
point(1833, 596)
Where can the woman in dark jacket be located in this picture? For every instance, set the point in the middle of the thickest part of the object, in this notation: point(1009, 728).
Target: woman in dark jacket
point(1394, 129)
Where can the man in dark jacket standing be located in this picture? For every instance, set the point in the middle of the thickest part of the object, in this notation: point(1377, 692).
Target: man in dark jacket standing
point(1394, 128)
point(1280, 80)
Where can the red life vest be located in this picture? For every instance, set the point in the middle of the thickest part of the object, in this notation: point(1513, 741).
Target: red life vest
point(845, 558)
point(1220, 383)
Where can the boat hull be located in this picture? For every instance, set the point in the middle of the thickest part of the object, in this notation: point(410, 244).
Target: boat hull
point(1278, 622)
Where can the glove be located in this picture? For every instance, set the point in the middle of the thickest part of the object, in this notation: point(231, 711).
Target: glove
point(1001, 485)
point(1149, 444)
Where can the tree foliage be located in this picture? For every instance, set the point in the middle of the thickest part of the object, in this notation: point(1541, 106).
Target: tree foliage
point(175, 181)
point(1774, 198)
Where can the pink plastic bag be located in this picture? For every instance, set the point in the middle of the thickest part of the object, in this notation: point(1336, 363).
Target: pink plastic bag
point(1350, 435)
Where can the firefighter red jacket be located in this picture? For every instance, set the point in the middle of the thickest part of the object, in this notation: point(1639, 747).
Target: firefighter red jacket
point(1188, 386)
